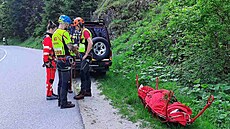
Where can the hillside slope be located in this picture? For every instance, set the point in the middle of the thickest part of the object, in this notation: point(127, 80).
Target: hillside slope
point(185, 43)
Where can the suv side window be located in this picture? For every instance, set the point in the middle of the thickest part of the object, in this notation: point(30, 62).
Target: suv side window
point(100, 32)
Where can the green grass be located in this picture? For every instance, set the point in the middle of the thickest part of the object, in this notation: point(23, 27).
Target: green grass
point(123, 93)
point(33, 43)
point(142, 49)
point(30, 43)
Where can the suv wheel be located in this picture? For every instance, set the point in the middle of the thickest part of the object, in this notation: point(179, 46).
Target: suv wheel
point(101, 48)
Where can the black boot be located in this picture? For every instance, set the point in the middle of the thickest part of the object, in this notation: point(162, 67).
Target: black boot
point(59, 104)
point(52, 97)
point(67, 106)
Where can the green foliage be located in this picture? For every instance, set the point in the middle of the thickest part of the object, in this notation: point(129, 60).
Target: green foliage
point(87, 9)
point(51, 11)
point(73, 8)
point(199, 32)
point(121, 13)
point(4, 28)
point(123, 94)
point(54, 8)
point(30, 43)
point(13, 41)
point(23, 18)
point(187, 36)
point(19, 17)
point(33, 43)
point(219, 113)
point(184, 42)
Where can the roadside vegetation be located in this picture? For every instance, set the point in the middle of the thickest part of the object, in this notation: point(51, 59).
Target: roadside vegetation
point(26, 21)
point(32, 42)
point(185, 44)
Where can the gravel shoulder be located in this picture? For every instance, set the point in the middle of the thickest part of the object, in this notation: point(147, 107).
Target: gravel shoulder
point(97, 112)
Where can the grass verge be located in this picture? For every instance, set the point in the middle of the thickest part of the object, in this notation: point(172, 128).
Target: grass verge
point(30, 43)
point(123, 93)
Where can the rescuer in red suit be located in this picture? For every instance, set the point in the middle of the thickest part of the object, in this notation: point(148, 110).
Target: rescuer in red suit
point(49, 60)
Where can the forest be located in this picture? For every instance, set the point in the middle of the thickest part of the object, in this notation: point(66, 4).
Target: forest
point(23, 19)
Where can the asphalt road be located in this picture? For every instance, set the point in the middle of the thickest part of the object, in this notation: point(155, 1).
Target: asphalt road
point(23, 103)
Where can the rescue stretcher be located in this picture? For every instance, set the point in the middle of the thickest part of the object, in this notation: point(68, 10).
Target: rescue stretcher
point(164, 105)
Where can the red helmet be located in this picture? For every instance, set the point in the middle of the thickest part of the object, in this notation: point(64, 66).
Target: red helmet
point(78, 21)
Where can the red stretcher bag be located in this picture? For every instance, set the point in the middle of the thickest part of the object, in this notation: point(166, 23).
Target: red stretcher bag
point(165, 106)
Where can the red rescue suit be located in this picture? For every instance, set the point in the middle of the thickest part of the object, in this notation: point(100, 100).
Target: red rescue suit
point(49, 57)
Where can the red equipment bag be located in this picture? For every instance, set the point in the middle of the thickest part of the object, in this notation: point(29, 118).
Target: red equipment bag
point(163, 104)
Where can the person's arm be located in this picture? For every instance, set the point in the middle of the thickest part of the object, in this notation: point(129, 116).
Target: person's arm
point(46, 52)
point(46, 49)
point(90, 43)
point(69, 43)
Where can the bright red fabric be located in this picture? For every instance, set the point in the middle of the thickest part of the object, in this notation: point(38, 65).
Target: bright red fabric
point(157, 101)
point(48, 55)
point(86, 34)
point(47, 49)
point(50, 75)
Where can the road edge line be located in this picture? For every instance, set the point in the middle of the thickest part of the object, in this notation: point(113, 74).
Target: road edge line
point(4, 55)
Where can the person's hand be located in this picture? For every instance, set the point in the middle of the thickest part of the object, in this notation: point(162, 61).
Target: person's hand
point(47, 64)
point(75, 47)
point(75, 50)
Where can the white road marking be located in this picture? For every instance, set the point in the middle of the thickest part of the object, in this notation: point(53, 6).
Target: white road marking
point(4, 55)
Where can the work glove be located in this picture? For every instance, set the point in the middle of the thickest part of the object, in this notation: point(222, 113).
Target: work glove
point(47, 64)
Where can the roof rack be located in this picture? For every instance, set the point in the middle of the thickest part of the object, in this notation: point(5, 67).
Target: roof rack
point(99, 22)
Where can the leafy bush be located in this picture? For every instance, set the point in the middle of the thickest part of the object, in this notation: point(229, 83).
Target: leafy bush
point(191, 36)
point(186, 41)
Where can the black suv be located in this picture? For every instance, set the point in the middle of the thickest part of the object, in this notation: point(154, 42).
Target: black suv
point(101, 50)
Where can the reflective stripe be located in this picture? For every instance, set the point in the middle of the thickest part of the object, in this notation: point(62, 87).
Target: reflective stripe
point(45, 53)
point(58, 51)
point(47, 47)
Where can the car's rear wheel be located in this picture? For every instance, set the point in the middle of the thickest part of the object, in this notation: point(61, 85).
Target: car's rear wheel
point(101, 48)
